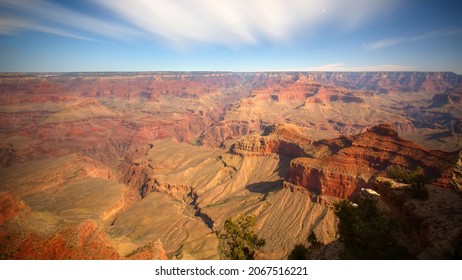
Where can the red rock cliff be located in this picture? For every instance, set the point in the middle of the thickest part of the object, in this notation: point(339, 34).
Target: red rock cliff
point(344, 172)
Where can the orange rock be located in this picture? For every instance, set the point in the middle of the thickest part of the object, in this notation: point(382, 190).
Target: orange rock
point(9, 207)
point(344, 172)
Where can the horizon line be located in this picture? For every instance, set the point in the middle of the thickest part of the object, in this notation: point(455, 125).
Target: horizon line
point(227, 71)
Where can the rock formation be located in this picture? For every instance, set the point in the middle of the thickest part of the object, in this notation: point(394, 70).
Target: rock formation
point(350, 168)
point(9, 207)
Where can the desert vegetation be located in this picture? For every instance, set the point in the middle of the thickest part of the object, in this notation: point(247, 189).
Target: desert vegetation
point(239, 240)
point(367, 233)
point(415, 178)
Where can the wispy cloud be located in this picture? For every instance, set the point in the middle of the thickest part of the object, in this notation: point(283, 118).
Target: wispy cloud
point(342, 67)
point(436, 34)
point(11, 25)
point(44, 16)
point(239, 22)
point(384, 43)
point(186, 22)
point(389, 42)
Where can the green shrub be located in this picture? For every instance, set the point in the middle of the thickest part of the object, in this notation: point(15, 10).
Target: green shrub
point(239, 241)
point(416, 178)
point(301, 252)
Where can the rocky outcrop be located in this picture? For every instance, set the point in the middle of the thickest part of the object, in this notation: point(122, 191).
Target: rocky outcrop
point(330, 94)
point(283, 139)
point(432, 226)
point(226, 130)
point(323, 177)
point(84, 240)
point(255, 145)
point(151, 251)
point(141, 178)
point(346, 171)
point(455, 175)
point(341, 167)
point(10, 207)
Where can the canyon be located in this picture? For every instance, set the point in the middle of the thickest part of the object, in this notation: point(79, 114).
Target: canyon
point(150, 165)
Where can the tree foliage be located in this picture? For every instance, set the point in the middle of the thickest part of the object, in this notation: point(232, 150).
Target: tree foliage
point(416, 178)
point(239, 241)
point(313, 239)
point(366, 233)
point(301, 252)
point(405, 175)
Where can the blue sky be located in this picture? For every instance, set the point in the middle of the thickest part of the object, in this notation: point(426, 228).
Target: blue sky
point(230, 35)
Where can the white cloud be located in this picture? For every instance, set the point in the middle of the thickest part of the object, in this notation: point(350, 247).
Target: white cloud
point(384, 43)
point(185, 22)
point(238, 22)
point(12, 25)
point(43, 16)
